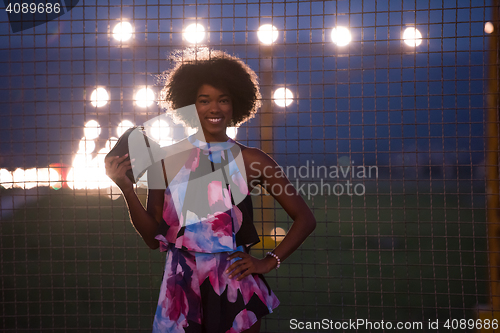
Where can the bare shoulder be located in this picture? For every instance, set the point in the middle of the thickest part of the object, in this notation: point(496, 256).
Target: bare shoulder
point(251, 155)
point(257, 163)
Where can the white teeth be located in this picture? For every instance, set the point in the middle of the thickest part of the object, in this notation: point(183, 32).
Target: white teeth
point(214, 120)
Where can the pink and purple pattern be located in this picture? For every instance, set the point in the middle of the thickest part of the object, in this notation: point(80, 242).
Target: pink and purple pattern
point(196, 294)
point(187, 278)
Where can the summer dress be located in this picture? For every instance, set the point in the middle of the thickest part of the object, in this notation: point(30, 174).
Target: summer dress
point(207, 215)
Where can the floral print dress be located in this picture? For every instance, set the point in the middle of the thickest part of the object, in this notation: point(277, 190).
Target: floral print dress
point(207, 215)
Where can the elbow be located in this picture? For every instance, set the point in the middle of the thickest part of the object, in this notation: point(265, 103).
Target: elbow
point(307, 222)
point(312, 224)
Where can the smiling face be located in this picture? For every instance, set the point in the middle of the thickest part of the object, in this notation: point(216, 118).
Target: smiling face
point(215, 110)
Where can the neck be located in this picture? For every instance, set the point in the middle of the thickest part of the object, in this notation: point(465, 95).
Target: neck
point(208, 137)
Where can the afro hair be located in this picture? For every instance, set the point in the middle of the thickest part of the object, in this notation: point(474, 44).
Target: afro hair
point(195, 67)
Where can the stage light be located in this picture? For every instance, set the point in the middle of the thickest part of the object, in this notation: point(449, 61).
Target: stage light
point(92, 130)
point(144, 97)
point(488, 27)
point(160, 131)
point(267, 34)
point(110, 143)
point(283, 97)
point(6, 179)
point(194, 33)
point(86, 176)
point(123, 126)
point(231, 132)
point(70, 178)
point(278, 234)
point(99, 97)
point(86, 146)
point(341, 36)
point(25, 178)
point(29, 178)
point(412, 37)
point(48, 177)
point(20, 178)
point(191, 130)
point(123, 31)
point(101, 156)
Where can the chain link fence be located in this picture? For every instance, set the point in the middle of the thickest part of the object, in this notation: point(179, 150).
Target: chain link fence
point(375, 109)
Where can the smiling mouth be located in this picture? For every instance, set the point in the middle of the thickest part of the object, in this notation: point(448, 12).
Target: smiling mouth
point(215, 120)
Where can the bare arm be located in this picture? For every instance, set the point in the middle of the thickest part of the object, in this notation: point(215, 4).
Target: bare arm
point(303, 219)
point(144, 221)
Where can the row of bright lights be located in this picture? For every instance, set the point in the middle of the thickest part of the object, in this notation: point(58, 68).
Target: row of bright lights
point(159, 131)
point(267, 34)
point(31, 178)
point(145, 97)
point(88, 172)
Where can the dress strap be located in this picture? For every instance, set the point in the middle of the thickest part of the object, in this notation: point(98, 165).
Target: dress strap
point(214, 150)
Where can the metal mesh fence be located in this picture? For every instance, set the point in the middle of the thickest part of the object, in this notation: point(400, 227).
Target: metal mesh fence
point(384, 136)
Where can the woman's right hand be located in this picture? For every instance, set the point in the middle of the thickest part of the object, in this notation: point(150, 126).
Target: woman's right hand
point(116, 168)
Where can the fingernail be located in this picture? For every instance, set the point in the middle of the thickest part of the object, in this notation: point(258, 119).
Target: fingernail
point(126, 154)
point(132, 160)
point(226, 271)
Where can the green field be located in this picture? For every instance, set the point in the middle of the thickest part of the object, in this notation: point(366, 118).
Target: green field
point(72, 260)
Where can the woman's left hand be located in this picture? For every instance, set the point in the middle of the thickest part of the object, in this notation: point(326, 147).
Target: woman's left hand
point(249, 265)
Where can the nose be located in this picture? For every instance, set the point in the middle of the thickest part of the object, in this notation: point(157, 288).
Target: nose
point(214, 107)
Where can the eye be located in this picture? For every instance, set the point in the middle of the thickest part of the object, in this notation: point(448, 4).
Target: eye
point(203, 101)
point(225, 101)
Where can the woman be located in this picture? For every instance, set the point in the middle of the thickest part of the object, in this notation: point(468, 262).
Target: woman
point(203, 219)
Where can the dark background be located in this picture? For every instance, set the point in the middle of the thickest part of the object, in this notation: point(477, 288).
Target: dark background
point(412, 248)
